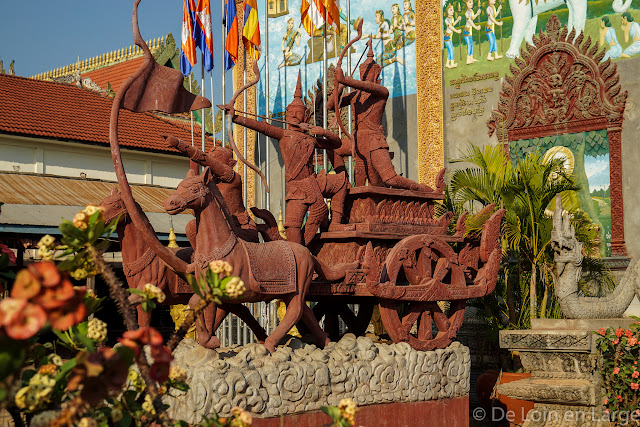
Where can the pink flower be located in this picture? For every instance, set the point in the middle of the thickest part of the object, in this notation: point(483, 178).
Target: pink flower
point(616, 341)
point(628, 333)
point(633, 341)
point(4, 249)
point(606, 400)
point(606, 411)
point(635, 374)
point(616, 371)
point(634, 386)
point(619, 332)
point(602, 331)
point(619, 398)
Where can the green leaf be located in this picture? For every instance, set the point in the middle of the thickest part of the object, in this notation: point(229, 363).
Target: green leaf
point(194, 285)
point(12, 355)
point(181, 386)
point(136, 291)
point(332, 411)
point(126, 419)
point(3, 394)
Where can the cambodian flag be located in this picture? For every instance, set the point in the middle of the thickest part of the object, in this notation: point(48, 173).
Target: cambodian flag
point(188, 57)
point(251, 29)
point(203, 33)
point(231, 42)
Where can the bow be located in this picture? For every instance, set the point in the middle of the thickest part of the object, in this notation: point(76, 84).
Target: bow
point(230, 126)
point(336, 99)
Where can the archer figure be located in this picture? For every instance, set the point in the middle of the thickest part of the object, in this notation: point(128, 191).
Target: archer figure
point(305, 189)
point(368, 102)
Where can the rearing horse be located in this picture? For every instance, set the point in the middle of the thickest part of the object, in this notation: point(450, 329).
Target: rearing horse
point(270, 270)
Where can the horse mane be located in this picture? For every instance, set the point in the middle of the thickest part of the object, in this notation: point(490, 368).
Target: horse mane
point(217, 196)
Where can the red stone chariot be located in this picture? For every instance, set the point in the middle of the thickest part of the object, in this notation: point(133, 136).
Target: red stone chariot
point(390, 249)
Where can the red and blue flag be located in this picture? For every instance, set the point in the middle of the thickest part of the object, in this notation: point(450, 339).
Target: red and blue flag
point(203, 33)
point(188, 57)
point(231, 41)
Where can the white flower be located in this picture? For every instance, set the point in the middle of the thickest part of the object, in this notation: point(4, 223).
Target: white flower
point(47, 241)
point(97, 330)
point(152, 291)
point(235, 287)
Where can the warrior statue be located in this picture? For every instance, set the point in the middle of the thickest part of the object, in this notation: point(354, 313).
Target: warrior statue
point(305, 189)
point(221, 162)
point(368, 102)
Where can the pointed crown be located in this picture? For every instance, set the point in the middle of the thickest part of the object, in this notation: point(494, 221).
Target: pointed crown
point(370, 62)
point(297, 96)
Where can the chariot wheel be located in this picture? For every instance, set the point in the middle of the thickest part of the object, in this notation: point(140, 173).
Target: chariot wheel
point(430, 262)
point(356, 323)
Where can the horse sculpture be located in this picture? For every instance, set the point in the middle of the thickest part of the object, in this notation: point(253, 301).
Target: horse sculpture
point(271, 270)
point(141, 266)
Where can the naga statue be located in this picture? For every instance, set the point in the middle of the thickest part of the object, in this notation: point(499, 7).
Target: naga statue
point(568, 258)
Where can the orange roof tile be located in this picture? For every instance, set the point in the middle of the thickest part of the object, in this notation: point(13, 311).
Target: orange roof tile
point(60, 111)
point(114, 74)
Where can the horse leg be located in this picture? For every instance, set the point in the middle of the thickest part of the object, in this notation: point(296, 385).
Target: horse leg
point(310, 320)
point(204, 324)
point(294, 305)
point(144, 318)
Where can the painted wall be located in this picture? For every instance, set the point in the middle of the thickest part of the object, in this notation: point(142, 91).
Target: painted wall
point(472, 85)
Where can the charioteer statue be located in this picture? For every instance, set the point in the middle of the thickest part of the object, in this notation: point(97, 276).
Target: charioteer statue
point(306, 190)
point(221, 162)
point(368, 101)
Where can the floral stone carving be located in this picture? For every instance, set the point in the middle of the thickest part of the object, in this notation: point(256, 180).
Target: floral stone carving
point(301, 377)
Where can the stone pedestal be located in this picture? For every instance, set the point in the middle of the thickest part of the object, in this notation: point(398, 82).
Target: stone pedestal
point(565, 382)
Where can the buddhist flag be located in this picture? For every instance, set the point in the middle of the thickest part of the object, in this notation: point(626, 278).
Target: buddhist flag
point(312, 15)
point(203, 33)
point(251, 29)
point(188, 57)
point(333, 13)
point(231, 41)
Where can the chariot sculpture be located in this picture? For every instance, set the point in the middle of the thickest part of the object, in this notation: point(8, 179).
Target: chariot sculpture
point(388, 249)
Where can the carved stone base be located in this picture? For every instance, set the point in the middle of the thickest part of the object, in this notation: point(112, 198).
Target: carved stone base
point(300, 377)
point(565, 382)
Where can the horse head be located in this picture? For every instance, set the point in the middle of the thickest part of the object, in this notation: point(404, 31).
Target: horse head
point(113, 206)
point(191, 193)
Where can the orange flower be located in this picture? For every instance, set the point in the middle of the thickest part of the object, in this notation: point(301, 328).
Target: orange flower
point(46, 272)
point(21, 319)
point(72, 313)
point(52, 298)
point(26, 285)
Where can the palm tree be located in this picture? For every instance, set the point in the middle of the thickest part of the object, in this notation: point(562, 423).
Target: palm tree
point(526, 190)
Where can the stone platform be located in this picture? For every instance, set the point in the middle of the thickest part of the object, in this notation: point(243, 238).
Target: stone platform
point(565, 381)
point(300, 378)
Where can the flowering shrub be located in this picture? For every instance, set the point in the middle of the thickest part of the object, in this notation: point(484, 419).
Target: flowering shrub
point(101, 385)
point(343, 415)
point(620, 371)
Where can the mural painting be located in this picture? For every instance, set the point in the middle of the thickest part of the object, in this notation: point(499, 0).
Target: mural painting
point(390, 24)
point(482, 42)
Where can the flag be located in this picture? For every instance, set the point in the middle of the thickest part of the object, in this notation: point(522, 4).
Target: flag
point(188, 57)
point(312, 15)
point(251, 29)
point(231, 41)
point(202, 32)
point(333, 13)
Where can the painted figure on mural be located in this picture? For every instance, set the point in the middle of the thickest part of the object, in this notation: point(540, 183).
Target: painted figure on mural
point(397, 28)
point(409, 17)
point(608, 36)
point(492, 21)
point(291, 38)
point(450, 28)
point(368, 101)
point(467, 33)
point(389, 54)
point(631, 31)
point(306, 190)
point(220, 161)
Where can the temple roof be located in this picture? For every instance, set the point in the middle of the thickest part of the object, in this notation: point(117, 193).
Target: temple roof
point(45, 109)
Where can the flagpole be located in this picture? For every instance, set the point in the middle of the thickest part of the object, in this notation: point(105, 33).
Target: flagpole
point(191, 112)
point(244, 134)
point(348, 68)
point(324, 84)
point(203, 125)
point(266, 100)
point(224, 71)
